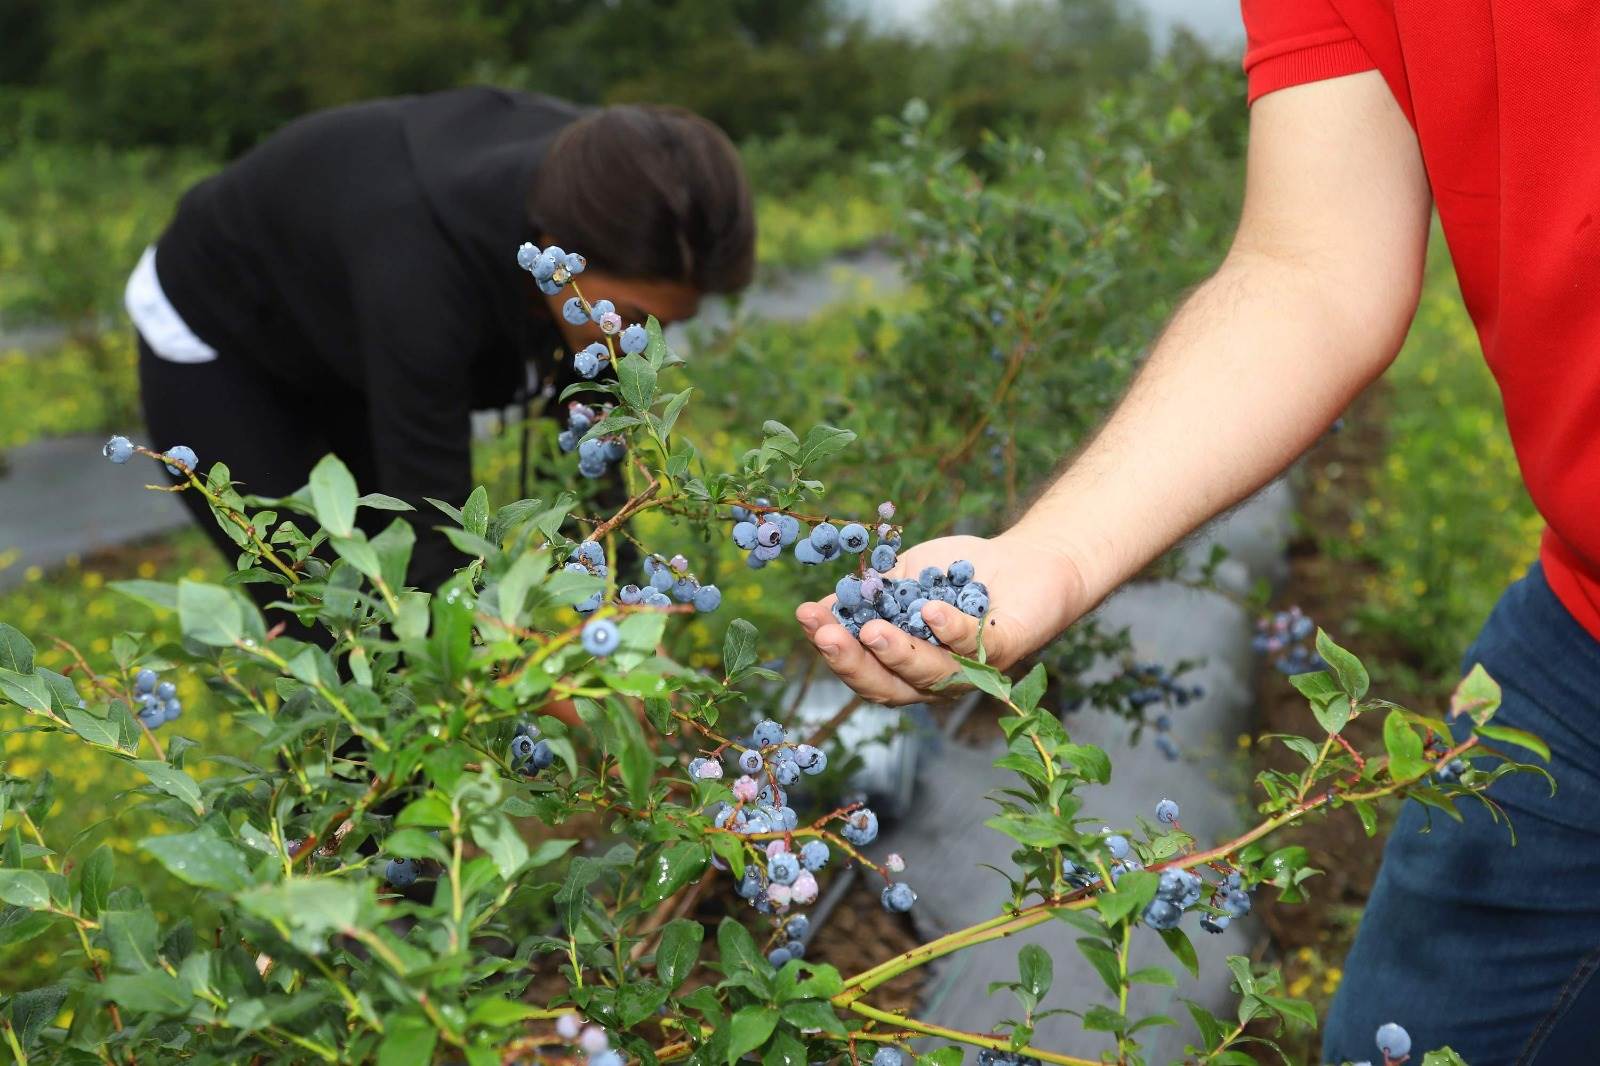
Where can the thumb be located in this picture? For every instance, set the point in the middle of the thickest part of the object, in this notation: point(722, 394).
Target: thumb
point(1004, 637)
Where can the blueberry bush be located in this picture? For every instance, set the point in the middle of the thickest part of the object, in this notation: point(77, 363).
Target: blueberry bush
point(384, 874)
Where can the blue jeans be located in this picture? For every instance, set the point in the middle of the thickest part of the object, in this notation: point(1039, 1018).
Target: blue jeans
point(1468, 941)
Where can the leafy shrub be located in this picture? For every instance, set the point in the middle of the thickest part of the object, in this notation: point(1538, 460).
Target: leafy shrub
point(400, 748)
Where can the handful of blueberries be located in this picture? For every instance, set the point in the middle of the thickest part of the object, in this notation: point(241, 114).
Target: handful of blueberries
point(859, 600)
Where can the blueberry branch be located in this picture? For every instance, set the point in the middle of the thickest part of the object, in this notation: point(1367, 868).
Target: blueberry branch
point(960, 1036)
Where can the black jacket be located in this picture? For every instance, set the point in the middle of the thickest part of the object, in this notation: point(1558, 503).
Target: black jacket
point(376, 243)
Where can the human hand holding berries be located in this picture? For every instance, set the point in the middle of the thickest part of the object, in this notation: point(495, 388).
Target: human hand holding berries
point(1035, 594)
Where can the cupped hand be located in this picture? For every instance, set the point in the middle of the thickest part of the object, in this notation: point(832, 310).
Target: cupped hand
point(1033, 595)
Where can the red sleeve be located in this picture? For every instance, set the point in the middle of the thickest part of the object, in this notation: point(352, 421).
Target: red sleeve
point(1291, 42)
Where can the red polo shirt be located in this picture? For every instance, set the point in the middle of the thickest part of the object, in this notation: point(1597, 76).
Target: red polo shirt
point(1505, 99)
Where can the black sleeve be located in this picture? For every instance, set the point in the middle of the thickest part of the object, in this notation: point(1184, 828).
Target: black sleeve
point(417, 343)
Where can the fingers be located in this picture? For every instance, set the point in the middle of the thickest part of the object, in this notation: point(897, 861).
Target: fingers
point(914, 663)
point(859, 668)
point(955, 630)
point(813, 616)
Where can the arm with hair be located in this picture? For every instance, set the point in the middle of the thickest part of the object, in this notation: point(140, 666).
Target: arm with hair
point(1311, 304)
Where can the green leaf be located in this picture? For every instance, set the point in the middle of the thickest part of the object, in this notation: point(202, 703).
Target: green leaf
point(16, 651)
point(131, 935)
point(24, 888)
point(161, 594)
point(1178, 943)
point(34, 1009)
point(333, 496)
point(498, 1012)
point(737, 949)
point(415, 844)
point(1030, 690)
point(678, 951)
point(1104, 961)
point(210, 614)
point(475, 512)
point(1352, 676)
point(92, 728)
point(28, 691)
point(94, 880)
point(407, 1040)
point(986, 678)
point(636, 382)
point(153, 992)
point(1443, 1057)
point(201, 858)
point(1037, 970)
point(172, 781)
point(1404, 747)
point(669, 416)
point(785, 1050)
point(813, 1014)
point(672, 868)
point(315, 905)
point(822, 441)
point(1153, 975)
point(1520, 737)
point(749, 1029)
point(738, 647)
point(1133, 891)
point(379, 502)
point(497, 835)
point(1297, 1011)
point(1477, 696)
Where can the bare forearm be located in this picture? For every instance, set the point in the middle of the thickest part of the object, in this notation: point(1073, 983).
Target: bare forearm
point(1254, 366)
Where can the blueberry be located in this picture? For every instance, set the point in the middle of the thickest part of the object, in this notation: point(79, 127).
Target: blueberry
point(824, 537)
point(587, 364)
point(750, 761)
point(544, 269)
point(574, 263)
point(608, 1057)
point(788, 529)
point(171, 709)
point(972, 601)
point(1118, 846)
point(817, 764)
point(1161, 914)
point(1393, 1041)
point(1167, 746)
point(860, 827)
point(600, 309)
point(753, 883)
point(744, 535)
point(630, 595)
point(766, 733)
point(566, 440)
point(848, 591)
point(1214, 923)
point(886, 510)
point(778, 956)
point(888, 1056)
point(766, 552)
point(898, 897)
point(656, 598)
point(853, 538)
point(806, 554)
point(1236, 902)
point(707, 598)
point(549, 286)
point(1167, 812)
point(181, 453)
point(883, 558)
point(151, 718)
point(616, 449)
point(797, 927)
point(634, 340)
point(662, 580)
point(600, 637)
point(574, 312)
point(787, 772)
point(906, 592)
point(401, 873)
point(783, 868)
point(796, 949)
point(929, 578)
point(683, 589)
point(521, 749)
point(118, 449)
point(768, 534)
point(526, 255)
point(961, 571)
point(145, 681)
point(814, 855)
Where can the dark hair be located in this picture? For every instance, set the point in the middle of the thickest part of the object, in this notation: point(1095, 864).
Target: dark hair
point(647, 191)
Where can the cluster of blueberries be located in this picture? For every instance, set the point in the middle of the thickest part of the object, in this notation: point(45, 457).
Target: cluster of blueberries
point(1451, 771)
point(793, 941)
point(597, 454)
point(1177, 891)
point(592, 358)
point(1155, 685)
point(764, 534)
point(1288, 637)
point(528, 753)
point(990, 1057)
point(120, 449)
point(551, 267)
point(158, 700)
point(666, 581)
point(591, 1039)
point(762, 807)
point(859, 600)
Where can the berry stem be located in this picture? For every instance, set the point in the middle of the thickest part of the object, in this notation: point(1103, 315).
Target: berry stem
point(995, 1043)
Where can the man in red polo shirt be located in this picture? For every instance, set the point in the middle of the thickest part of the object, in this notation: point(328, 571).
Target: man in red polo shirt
point(1365, 114)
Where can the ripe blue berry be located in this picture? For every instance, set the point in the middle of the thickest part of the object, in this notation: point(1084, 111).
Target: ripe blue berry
point(853, 538)
point(184, 454)
point(888, 1056)
point(600, 637)
point(883, 558)
point(750, 761)
point(401, 873)
point(1214, 923)
point(526, 255)
point(634, 339)
point(814, 855)
point(145, 681)
point(768, 534)
point(806, 554)
point(813, 761)
point(972, 601)
point(1236, 902)
point(961, 572)
point(171, 709)
point(588, 361)
point(848, 591)
point(521, 749)
point(898, 897)
point(766, 733)
point(1118, 846)
point(574, 312)
point(683, 589)
point(788, 529)
point(783, 868)
point(825, 539)
point(607, 1057)
point(777, 957)
point(575, 263)
point(1161, 914)
point(118, 449)
point(1167, 812)
point(744, 535)
point(860, 827)
point(707, 598)
point(797, 927)
point(1393, 1041)
point(600, 309)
